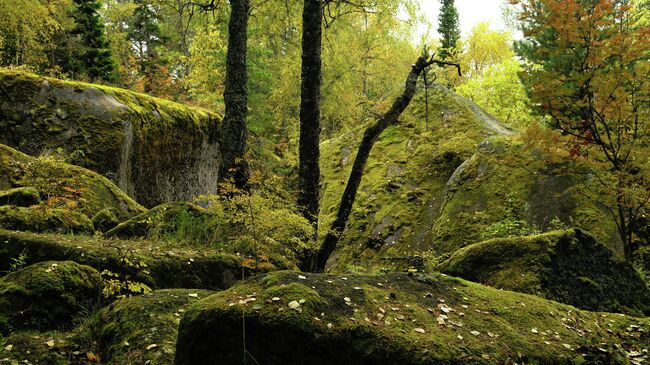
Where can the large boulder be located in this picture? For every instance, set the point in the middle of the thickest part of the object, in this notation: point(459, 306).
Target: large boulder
point(510, 189)
point(402, 190)
point(294, 318)
point(153, 149)
point(142, 329)
point(432, 188)
point(567, 266)
point(46, 295)
point(64, 186)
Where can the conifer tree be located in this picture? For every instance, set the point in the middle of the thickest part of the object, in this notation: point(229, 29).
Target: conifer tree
point(92, 56)
point(448, 27)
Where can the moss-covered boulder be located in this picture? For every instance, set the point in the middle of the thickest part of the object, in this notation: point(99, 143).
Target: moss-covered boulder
point(46, 295)
point(432, 188)
point(403, 186)
point(63, 185)
point(153, 149)
point(162, 220)
point(105, 220)
point(567, 266)
point(142, 329)
point(44, 219)
point(154, 263)
point(294, 318)
point(510, 189)
point(21, 197)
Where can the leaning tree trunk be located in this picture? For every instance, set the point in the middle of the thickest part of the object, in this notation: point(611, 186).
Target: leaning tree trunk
point(234, 166)
point(309, 150)
point(370, 136)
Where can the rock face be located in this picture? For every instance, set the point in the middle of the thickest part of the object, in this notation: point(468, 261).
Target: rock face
point(566, 266)
point(155, 150)
point(46, 295)
point(430, 189)
point(294, 318)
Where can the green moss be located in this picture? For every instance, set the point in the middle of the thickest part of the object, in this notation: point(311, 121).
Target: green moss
point(506, 190)
point(22, 196)
point(65, 185)
point(567, 266)
point(46, 295)
point(167, 264)
point(403, 186)
point(143, 328)
point(34, 348)
point(105, 219)
point(156, 150)
point(392, 319)
point(44, 219)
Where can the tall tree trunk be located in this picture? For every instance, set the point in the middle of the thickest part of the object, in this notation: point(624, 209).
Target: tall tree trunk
point(309, 150)
point(370, 136)
point(235, 98)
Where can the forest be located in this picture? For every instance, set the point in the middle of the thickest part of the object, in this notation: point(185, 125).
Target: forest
point(325, 182)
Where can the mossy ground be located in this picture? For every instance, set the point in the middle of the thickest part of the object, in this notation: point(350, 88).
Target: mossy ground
point(44, 219)
point(141, 329)
point(395, 318)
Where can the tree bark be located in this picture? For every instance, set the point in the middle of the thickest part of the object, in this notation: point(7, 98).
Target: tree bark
point(233, 146)
point(309, 150)
point(370, 136)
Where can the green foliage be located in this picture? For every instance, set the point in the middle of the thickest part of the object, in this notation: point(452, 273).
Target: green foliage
point(18, 262)
point(206, 77)
point(587, 69)
point(91, 56)
point(122, 284)
point(499, 91)
point(27, 31)
point(448, 27)
point(257, 226)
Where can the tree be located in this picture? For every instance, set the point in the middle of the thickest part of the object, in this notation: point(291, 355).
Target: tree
point(370, 136)
point(235, 97)
point(484, 48)
point(92, 57)
point(311, 76)
point(146, 38)
point(28, 31)
point(448, 28)
point(500, 92)
point(588, 69)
